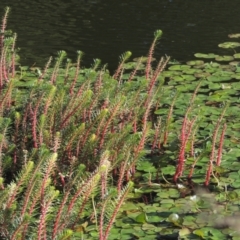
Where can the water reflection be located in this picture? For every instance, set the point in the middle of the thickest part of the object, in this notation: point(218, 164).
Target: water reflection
point(105, 29)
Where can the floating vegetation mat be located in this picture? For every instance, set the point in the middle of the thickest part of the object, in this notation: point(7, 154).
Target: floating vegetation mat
point(161, 209)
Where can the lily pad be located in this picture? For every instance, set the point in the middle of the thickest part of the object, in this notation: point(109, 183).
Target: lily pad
point(202, 75)
point(235, 63)
point(217, 78)
point(179, 67)
point(229, 45)
point(224, 58)
point(237, 55)
point(170, 73)
point(183, 78)
point(203, 55)
point(197, 62)
point(192, 71)
point(234, 35)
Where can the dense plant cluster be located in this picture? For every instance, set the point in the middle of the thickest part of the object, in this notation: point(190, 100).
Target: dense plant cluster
point(74, 140)
point(70, 138)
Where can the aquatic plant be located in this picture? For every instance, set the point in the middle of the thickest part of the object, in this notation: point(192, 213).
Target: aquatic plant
point(64, 132)
point(76, 143)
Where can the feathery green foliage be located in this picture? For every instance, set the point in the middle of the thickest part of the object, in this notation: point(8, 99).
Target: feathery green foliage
point(68, 136)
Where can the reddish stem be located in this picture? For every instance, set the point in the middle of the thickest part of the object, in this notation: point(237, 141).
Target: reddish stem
point(219, 154)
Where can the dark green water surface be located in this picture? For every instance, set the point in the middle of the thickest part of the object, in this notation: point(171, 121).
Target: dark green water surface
point(105, 29)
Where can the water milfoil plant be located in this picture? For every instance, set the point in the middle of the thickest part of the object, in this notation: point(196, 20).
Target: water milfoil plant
point(70, 137)
point(77, 143)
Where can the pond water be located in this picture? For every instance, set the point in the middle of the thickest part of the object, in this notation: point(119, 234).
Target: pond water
point(106, 29)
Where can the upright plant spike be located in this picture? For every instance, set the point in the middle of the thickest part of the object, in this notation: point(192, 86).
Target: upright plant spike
point(49, 99)
point(112, 213)
point(13, 51)
point(169, 119)
point(135, 69)
point(123, 58)
point(96, 64)
point(186, 130)
point(5, 63)
point(45, 69)
point(80, 54)
point(157, 35)
point(61, 55)
point(20, 183)
point(3, 27)
point(219, 154)
point(214, 139)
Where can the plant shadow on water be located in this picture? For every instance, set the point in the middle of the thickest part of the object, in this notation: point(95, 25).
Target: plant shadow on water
point(149, 152)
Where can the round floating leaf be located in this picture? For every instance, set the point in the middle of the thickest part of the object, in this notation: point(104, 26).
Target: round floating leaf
point(192, 71)
point(232, 195)
point(141, 218)
point(234, 35)
point(170, 73)
point(199, 233)
point(202, 75)
point(211, 70)
point(203, 55)
point(188, 77)
point(212, 65)
point(229, 45)
point(224, 58)
point(155, 218)
point(236, 76)
point(214, 86)
point(237, 55)
point(235, 63)
point(237, 69)
point(223, 73)
point(228, 68)
point(197, 62)
point(146, 167)
point(183, 78)
point(183, 232)
point(219, 78)
point(226, 86)
point(147, 226)
point(173, 193)
point(179, 67)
